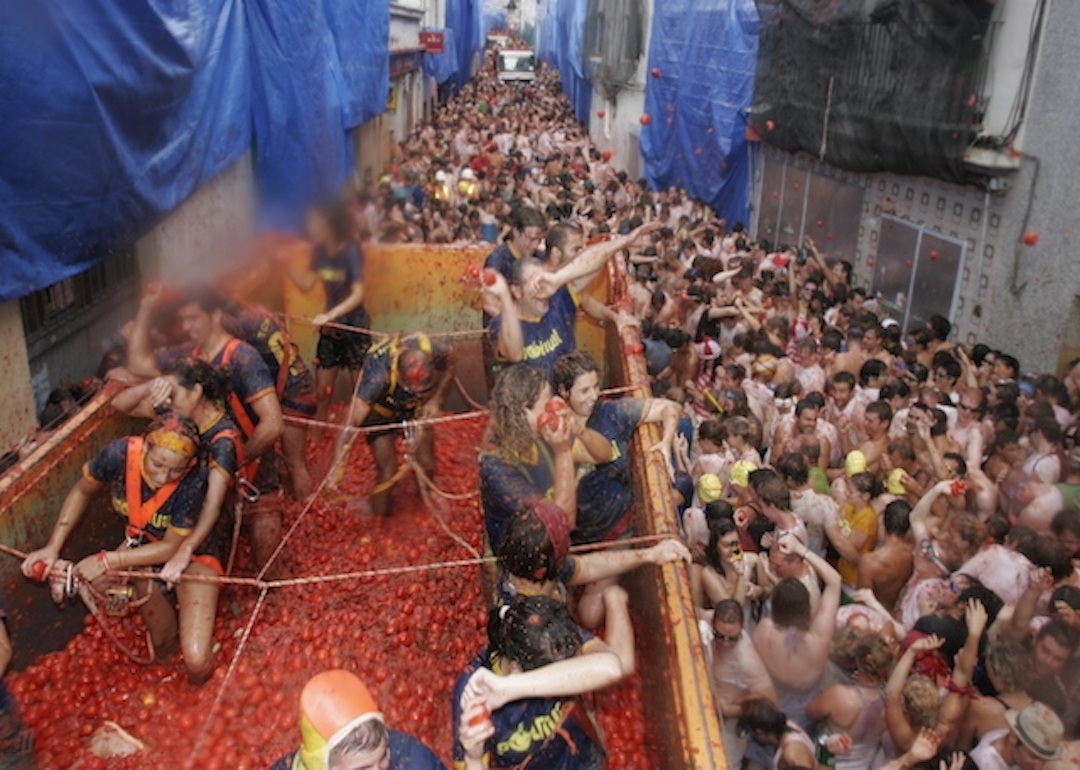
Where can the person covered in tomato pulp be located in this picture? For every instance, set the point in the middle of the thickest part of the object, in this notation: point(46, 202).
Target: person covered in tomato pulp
point(532, 448)
point(341, 728)
point(404, 378)
point(157, 485)
point(517, 703)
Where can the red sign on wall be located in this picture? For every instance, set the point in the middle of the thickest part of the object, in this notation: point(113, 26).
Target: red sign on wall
point(433, 42)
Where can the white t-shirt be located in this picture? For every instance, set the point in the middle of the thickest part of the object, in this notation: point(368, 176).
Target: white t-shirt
point(985, 756)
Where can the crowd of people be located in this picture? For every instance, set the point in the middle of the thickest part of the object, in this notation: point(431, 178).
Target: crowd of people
point(881, 526)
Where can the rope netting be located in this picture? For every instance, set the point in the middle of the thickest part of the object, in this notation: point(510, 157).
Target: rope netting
point(464, 534)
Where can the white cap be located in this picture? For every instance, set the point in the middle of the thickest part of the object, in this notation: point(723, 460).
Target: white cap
point(467, 174)
point(440, 176)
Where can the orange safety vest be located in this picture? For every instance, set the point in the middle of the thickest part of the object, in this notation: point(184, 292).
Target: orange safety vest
point(139, 513)
point(238, 409)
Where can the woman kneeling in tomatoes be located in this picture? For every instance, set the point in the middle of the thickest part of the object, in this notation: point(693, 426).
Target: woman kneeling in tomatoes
point(157, 485)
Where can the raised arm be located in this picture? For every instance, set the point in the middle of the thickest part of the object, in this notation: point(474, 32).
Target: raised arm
point(903, 734)
point(824, 623)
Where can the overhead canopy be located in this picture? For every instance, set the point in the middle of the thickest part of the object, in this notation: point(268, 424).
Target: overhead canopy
point(117, 110)
point(894, 86)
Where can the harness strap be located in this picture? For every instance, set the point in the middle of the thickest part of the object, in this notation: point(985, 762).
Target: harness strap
point(140, 514)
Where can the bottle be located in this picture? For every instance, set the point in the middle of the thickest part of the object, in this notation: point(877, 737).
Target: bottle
point(825, 758)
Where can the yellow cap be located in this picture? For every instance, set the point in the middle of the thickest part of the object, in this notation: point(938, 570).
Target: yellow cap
point(855, 462)
point(709, 487)
point(740, 473)
point(895, 485)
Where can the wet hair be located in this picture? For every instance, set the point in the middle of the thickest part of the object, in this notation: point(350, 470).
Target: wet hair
point(761, 714)
point(516, 389)
point(526, 216)
point(990, 600)
point(842, 377)
point(1009, 662)
point(952, 630)
point(526, 550)
point(804, 404)
point(190, 371)
point(207, 297)
point(717, 511)
point(921, 702)
point(1049, 428)
point(939, 326)
point(791, 604)
point(903, 447)
point(368, 736)
point(712, 430)
point(1048, 552)
point(775, 492)
point(793, 468)
point(873, 657)
point(571, 366)
point(1009, 361)
point(728, 611)
point(872, 369)
point(867, 484)
point(898, 517)
point(894, 389)
point(533, 631)
point(717, 531)
point(182, 427)
point(739, 426)
point(558, 236)
point(1062, 633)
point(882, 409)
point(961, 463)
point(832, 339)
point(759, 476)
point(1004, 438)
point(1066, 521)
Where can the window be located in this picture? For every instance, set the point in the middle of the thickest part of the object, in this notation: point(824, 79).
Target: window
point(61, 305)
point(916, 271)
point(796, 202)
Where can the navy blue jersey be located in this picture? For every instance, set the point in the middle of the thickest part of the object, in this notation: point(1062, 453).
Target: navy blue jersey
point(179, 512)
point(550, 733)
point(604, 492)
point(548, 337)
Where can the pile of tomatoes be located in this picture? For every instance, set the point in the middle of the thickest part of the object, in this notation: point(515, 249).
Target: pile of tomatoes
point(408, 636)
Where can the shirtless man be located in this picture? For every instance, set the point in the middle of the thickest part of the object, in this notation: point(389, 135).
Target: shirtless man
point(876, 423)
point(886, 569)
point(851, 361)
point(793, 641)
point(789, 434)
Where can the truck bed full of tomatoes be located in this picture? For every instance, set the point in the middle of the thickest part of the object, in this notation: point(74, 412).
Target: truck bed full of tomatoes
point(408, 636)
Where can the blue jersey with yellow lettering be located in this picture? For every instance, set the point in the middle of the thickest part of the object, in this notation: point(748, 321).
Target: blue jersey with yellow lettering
point(179, 512)
point(548, 733)
point(548, 337)
point(604, 493)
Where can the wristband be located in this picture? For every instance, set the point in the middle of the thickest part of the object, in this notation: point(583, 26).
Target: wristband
point(103, 559)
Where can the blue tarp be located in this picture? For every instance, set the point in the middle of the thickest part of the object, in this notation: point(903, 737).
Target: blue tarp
point(117, 110)
point(705, 53)
point(563, 27)
point(463, 17)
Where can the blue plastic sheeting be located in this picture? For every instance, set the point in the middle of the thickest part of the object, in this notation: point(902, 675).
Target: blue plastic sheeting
point(463, 17)
point(706, 53)
point(560, 45)
point(118, 110)
point(442, 66)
